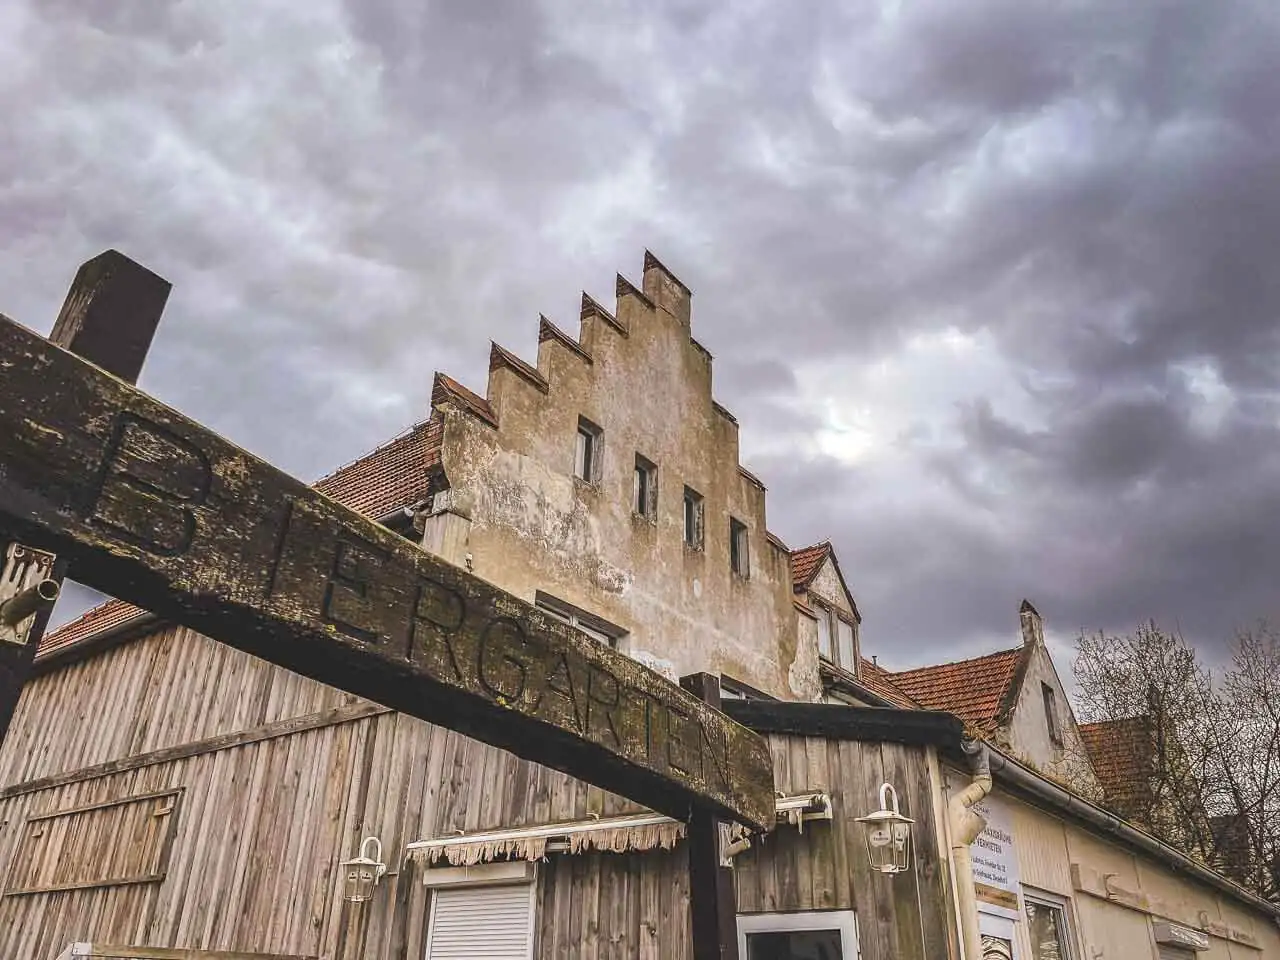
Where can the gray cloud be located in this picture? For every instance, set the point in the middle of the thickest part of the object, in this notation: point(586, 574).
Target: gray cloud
point(988, 284)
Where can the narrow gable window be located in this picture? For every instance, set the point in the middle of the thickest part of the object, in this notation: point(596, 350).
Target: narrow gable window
point(586, 461)
point(1051, 713)
point(739, 548)
point(644, 490)
point(692, 518)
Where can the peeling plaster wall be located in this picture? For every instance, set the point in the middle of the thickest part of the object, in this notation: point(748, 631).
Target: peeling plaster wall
point(827, 588)
point(528, 524)
point(1028, 731)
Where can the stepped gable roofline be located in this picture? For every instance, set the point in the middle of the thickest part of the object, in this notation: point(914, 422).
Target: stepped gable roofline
point(625, 288)
point(653, 263)
point(448, 390)
point(549, 331)
point(500, 357)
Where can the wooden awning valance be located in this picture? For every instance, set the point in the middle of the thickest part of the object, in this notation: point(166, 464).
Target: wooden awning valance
point(633, 833)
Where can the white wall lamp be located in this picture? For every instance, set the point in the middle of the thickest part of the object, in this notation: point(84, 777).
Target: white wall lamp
point(362, 873)
point(888, 834)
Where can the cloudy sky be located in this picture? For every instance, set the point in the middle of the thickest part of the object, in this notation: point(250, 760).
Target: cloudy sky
point(989, 284)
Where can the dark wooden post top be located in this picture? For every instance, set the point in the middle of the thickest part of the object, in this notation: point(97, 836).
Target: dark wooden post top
point(109, 317)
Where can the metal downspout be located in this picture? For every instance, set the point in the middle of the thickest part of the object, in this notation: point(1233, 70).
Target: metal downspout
point(966, 825)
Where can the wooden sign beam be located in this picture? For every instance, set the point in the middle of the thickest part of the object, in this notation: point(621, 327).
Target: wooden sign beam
point(109, 317)
point(151, 507)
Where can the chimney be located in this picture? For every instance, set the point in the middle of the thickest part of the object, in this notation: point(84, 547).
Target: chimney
point(1032, 624)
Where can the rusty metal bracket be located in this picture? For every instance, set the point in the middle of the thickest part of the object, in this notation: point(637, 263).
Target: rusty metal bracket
point(26, 587)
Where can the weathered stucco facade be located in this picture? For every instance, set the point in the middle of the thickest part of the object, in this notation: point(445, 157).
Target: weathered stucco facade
point(517, 514)
point(1052, 746)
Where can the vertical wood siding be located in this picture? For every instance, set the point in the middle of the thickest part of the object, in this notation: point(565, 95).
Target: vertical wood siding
point(263, 825)
point(825, 866)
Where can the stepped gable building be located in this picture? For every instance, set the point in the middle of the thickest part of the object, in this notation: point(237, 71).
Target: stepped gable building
point(162, 795)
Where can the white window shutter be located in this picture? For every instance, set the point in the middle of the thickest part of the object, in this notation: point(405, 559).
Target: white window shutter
point(481, 923)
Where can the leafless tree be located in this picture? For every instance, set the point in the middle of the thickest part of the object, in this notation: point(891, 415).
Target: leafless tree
point(1190, 756)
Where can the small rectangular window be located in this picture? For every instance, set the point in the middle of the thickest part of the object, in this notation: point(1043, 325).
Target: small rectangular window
point(595, 627)
point(1051, 713)
point(819, 935)
point(644, 492)
point(824, 631)
point(1047, 929)
point(739, 548)
point(693, 518)
point(586, 461)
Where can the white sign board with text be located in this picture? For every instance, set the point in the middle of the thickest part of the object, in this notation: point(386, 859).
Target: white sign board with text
point(995, 861)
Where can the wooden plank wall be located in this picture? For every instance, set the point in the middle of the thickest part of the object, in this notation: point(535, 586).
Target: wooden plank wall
point(169, 688)
point(902, 917)
point(263, 823)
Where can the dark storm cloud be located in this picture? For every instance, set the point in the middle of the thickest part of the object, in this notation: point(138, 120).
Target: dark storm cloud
point(989, 284)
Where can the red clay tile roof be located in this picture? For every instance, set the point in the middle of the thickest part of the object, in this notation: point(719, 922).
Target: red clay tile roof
point(396, 474)
point(806, 562)
point(974, 690)
point(103, 617)
point(879, 681)
point(1120, 751)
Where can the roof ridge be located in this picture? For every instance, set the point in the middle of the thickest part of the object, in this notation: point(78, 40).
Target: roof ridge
point(402, 435)
point(955, 663)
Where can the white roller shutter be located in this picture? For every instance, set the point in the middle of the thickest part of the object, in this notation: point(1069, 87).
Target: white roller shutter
point(481, 923)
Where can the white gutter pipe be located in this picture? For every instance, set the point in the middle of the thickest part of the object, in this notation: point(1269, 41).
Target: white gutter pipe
point(966, 825)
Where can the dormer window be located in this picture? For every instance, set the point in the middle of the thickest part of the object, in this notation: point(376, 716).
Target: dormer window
point(824, 631)
point(586, 461)
point(846, 649)
point(837, 637)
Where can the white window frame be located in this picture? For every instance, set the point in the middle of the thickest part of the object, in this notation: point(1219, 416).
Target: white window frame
point(846, 921)
point(852, 665)
point(484, 875)
point(824, 617)
point(1000, 927)
point(1044, 898)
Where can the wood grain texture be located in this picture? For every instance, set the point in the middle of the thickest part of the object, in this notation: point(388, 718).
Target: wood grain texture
point(109, 318)
point(824, 867)
point(149, 506)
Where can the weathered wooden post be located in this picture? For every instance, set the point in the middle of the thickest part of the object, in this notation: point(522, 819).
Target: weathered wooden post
point(713, 904)
point(109, 317)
